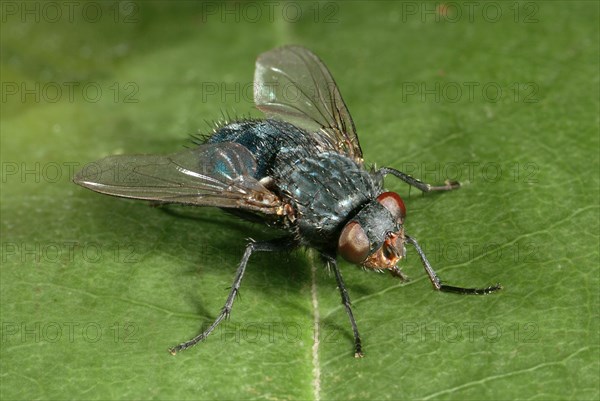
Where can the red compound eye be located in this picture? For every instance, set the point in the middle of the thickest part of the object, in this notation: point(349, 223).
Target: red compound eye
point(353, 244)
point(393, 203)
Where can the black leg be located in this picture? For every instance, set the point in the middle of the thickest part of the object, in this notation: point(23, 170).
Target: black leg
point(449, 185)
point(396, 272)
point(346, 301)
point(267, 246)
point(437, 284)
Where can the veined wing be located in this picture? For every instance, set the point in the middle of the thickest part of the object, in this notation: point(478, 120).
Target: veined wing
point(219, 174)
point(292, 84)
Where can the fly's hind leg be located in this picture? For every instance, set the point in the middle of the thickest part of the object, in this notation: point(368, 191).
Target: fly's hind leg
point(266, 246)
point(412, 181)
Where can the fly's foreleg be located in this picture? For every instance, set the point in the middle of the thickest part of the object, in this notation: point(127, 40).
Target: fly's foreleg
point(396, 272)
point(267, 246)
point(412, 181)
point(435, 280)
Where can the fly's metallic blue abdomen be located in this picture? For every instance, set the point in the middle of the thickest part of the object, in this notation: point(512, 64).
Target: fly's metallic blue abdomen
point(324, 188)
point(264, 139)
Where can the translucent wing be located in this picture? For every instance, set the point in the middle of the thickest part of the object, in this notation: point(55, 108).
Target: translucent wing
point(210, 175)
point(292, 84)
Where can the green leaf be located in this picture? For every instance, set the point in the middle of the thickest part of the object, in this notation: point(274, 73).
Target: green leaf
point(502, 96)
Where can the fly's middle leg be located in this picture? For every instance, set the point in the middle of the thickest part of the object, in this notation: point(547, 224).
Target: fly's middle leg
point(358, 353)
point(412, 181)
point(266, 246)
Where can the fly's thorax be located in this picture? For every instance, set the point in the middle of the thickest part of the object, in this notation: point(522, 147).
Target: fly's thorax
point(325, 189)
point(374, 238)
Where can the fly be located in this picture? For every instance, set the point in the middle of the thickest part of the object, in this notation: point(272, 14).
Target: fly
point(300, 170)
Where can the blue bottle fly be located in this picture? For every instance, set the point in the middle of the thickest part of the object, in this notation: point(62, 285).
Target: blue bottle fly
point(300, 170)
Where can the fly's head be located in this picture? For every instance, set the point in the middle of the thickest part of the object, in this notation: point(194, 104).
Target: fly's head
point(374, 238)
